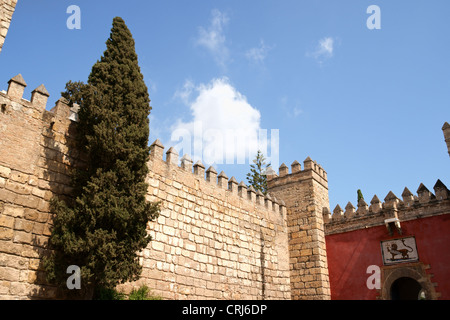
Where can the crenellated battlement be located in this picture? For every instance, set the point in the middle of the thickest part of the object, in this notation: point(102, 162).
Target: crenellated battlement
point(220, 181)
point(411, 206)
point(305, 193)
point(37, 143)
point(12, 100)
point(311, 170)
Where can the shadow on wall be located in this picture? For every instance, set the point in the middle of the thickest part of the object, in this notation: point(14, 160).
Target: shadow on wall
point(59, 156)
point(263, 267)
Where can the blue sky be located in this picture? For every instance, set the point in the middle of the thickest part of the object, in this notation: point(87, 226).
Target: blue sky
point(368, 105)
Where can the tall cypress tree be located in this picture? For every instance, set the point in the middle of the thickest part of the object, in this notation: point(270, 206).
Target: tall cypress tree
point(104, 227)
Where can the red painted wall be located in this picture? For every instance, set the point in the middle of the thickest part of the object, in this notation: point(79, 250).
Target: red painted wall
point(350, 253)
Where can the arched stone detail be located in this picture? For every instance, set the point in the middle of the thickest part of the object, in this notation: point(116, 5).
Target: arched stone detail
point(416, 271)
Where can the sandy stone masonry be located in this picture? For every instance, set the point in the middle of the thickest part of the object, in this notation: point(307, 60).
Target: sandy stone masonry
point(7, 8)
point(305, 193)
point(35, 156)
point(424, 204)
point(214, 239)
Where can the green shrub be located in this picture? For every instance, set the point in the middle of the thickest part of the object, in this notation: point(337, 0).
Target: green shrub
point(108, 294)
point(143, 293)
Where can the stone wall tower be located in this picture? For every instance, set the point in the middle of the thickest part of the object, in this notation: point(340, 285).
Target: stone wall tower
point(305, 194)
point(7, 8)
point(446, 129)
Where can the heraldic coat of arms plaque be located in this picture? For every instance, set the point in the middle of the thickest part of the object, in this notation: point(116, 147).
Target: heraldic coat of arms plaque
point(399, 250)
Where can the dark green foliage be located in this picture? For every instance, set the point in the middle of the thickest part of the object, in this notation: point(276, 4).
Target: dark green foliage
point(104, 227)
point(108, 294)
point(257, 177)
point(143, 293)
point(360, 195)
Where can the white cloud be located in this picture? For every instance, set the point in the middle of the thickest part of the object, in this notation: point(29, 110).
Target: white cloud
point(213, 37)
point(292, 109)
point(258, 55)
point(326, 47)
point(224, 127)
point(324, 50)
point(297, 111)
point(184, 94)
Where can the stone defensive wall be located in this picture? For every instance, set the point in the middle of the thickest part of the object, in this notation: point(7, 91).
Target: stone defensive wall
point(305, 193)
point(36, 154)
point(390, 212)
point(7, 8)
point(214, 238)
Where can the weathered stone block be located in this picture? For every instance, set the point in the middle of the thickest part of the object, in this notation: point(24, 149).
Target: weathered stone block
point(5, 172)
point(6, 234)
point(22, 237)
point(6, 221)
point(23, 225)
point(9, 274)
